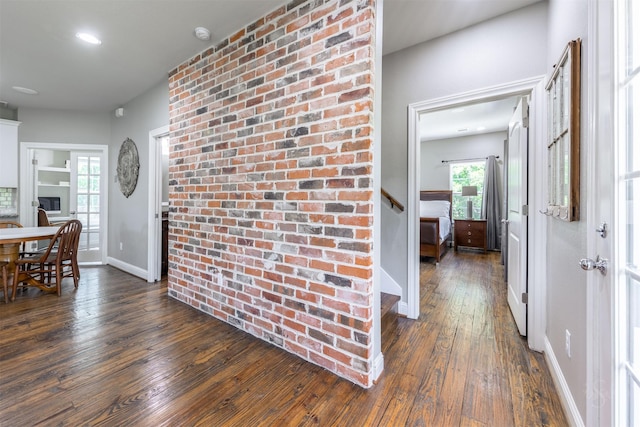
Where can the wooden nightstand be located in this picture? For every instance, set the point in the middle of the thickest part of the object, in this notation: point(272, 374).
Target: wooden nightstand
point(471, 233)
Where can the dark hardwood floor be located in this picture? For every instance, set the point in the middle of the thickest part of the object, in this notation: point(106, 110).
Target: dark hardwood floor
point(118, 352)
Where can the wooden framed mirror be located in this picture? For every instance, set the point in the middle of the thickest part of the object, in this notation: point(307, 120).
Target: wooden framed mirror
point(563, 141)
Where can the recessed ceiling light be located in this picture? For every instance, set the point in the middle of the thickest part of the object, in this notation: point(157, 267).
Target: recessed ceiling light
point(25, 90)
point(202, 33)
point(463, 130)
point(89, 38)
point(480, 128)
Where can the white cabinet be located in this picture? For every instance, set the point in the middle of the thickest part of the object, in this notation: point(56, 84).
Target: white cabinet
point(9, 150)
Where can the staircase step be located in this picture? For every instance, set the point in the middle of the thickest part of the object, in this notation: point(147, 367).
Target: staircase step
point(387, 303)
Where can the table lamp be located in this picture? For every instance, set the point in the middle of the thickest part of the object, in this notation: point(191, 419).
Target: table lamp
point(469, 191)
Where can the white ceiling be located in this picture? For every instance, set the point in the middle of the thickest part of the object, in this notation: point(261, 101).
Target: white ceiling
point(144, 39)
point(473, 119)
point(409, 22)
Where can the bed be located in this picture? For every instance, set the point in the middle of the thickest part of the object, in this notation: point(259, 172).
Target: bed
point(435, 223)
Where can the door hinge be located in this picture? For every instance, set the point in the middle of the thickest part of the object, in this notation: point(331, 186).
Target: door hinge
point(35, 204)
point(34, 162)
point(525, 114)
point(525, 210)
point(525, 298)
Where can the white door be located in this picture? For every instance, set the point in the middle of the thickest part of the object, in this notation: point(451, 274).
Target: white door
point(614, 295)
point(87, 201)
point(626, 235)
point(516, 217)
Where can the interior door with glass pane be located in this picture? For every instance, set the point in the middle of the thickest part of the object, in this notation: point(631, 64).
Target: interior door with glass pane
point(87, 199)
point(627, 288)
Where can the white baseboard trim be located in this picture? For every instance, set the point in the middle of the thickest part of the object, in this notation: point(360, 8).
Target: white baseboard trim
point(403, 308)
point(388, 285)
point(568, 403)
point(378, 366)
point(131, 269)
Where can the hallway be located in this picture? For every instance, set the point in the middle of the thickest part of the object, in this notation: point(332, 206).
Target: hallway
point(480, 371)
point(119, 352)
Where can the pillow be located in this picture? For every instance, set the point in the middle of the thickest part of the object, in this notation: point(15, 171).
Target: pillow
point(434, 208)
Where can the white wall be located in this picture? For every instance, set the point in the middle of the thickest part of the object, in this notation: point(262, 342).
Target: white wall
point(509, 48)
point(567, 242)
point(128, 216)
point(434, 175)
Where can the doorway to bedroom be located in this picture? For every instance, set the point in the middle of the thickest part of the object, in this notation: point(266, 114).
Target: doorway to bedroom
point(452, 139)
point(462, 149)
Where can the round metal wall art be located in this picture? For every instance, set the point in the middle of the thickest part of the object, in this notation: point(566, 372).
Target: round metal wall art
point(128, 167)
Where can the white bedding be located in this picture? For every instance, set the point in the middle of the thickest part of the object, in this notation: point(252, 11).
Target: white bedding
point(445, 227)
point(434, 208)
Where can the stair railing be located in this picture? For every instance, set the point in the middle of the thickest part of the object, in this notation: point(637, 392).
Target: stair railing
point(394, 202)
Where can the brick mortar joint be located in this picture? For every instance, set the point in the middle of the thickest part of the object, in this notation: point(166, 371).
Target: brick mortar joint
point(194, 272)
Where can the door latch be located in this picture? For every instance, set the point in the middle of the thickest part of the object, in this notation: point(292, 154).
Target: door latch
point(602, 230)
point(599, 264)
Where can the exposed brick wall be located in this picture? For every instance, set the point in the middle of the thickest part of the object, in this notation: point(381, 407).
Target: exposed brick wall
point(271, 174)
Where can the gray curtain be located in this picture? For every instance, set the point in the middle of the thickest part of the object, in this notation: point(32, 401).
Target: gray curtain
point(492, 204)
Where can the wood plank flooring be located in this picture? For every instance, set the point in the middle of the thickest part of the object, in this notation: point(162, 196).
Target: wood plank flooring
point(119, 352)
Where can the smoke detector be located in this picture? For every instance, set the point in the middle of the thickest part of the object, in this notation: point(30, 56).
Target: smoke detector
point(202, 33)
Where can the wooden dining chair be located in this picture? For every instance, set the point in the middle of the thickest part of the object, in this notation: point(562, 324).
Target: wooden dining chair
point(57, 262)
point(4, 267)
point(43, 218)
point(10, 224)
point(14, 224)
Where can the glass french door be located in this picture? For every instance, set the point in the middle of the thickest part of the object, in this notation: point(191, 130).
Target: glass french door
point(627, 281)
point(87, 200)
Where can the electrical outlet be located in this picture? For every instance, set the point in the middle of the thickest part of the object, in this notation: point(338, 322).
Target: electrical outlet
point(567, 343)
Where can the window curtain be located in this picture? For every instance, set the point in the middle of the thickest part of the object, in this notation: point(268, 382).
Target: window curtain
point(492, 204)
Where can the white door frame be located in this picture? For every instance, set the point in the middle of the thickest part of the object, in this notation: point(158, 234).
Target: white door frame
point(27, 184)
point(537, 161)
point(154, 211)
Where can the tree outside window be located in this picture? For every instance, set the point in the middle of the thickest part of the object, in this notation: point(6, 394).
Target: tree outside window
point(465, 174)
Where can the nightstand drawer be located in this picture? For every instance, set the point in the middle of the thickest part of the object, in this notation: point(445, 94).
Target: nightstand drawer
point(474, 242)
point(472, 226)
point(470, 233)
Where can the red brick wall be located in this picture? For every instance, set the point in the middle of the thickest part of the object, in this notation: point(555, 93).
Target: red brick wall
point(271, 182)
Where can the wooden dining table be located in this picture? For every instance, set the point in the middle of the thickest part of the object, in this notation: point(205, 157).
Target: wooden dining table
point(10, 241)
